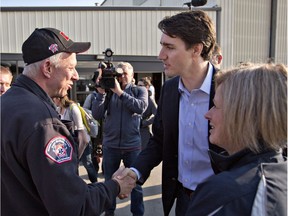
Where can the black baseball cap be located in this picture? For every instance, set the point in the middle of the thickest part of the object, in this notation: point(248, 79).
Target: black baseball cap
point(46, 42)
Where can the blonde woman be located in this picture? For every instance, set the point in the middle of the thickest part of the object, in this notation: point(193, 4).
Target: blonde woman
point(249, 120)
point(68, 110)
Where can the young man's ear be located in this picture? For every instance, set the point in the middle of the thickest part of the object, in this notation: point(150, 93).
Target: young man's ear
point(197, 49)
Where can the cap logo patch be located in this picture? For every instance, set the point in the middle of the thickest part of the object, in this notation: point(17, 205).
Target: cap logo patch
point(59, 149)
point(65, 36)
point(53, 48)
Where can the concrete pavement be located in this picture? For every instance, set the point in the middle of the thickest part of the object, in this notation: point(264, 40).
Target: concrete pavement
point(151, 192)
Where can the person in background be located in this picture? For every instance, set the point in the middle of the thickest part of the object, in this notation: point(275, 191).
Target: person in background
point(122, 107)
point(5, 79)
point(248, 120)
point(148, 115)
point(69, 110)
point(151, 88)
point(217, 57)
point(39, 164)
point(180, 131)
point(133, 81)
point(96, 142)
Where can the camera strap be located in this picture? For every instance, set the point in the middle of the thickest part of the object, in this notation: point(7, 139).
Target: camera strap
point(107, 101)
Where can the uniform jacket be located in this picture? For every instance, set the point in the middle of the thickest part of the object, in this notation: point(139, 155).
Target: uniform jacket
point(237, 189)
point(39, 165)
point(163, 145)
point(122, 119)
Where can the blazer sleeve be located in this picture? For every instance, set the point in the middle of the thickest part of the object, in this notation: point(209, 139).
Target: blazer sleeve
point(151, 156)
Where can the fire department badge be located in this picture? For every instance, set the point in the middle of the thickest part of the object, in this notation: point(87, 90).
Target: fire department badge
point(59, 149)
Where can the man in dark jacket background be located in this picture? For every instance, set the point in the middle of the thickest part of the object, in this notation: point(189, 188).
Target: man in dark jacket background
point(122, 108)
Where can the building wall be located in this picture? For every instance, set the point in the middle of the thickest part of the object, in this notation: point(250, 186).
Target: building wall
point(125, 31)
point(281, 53)
point(246, 31)
point(244, 28)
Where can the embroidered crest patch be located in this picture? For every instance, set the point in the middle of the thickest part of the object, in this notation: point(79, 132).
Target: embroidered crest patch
point(59, 149)
point(53, 48)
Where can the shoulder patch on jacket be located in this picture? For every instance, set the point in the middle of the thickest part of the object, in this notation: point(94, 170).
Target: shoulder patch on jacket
point(59, 149)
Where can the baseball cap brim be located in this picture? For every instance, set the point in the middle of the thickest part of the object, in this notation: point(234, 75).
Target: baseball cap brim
point(78, 47)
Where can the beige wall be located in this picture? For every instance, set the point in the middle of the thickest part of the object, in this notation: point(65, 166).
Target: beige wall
point(244, 32)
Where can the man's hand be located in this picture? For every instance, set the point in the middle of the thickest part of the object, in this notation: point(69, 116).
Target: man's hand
point(117, 88)
point(99, 89)
point(126, 179)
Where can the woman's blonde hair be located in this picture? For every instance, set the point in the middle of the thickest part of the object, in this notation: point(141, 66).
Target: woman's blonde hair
point(255, 106)
point(65, 101)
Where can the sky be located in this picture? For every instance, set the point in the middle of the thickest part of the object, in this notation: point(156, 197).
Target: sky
point(51, 3)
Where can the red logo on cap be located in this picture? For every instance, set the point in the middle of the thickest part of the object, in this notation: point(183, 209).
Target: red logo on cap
point(53, 48)
point(65, 36)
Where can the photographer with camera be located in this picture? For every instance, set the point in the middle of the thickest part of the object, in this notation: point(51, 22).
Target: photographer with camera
point(122, 106)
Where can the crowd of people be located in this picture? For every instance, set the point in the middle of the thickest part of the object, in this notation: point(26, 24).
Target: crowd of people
point(221, 135)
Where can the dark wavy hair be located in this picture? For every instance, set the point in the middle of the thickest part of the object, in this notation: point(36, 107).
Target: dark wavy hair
point(192, 27)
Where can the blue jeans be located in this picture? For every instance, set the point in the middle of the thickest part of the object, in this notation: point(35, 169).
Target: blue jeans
point(111, 161)
point(86, 160)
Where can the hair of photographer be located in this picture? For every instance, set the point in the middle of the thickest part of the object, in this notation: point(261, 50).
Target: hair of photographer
point(127, 75)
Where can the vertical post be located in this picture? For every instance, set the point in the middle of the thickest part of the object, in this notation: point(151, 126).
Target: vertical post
point(218, 24)
point(273, 23)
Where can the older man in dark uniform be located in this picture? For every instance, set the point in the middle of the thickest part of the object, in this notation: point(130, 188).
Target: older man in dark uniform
point(38, 154)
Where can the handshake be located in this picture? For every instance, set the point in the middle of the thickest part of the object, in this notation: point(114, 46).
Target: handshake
point(126, 179)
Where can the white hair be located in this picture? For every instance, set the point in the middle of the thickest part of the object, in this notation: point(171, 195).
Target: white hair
point(31, 70)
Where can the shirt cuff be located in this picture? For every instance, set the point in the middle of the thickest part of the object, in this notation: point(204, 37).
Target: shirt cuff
point(137, 172)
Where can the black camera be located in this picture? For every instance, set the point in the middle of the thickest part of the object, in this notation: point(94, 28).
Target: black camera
point(109, 72)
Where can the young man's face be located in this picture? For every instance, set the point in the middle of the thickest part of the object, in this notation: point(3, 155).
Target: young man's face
point(177, 60)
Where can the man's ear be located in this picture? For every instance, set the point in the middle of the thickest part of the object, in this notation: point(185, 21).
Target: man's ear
point(219, 58)
point(46, 68)
point(197, 49)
